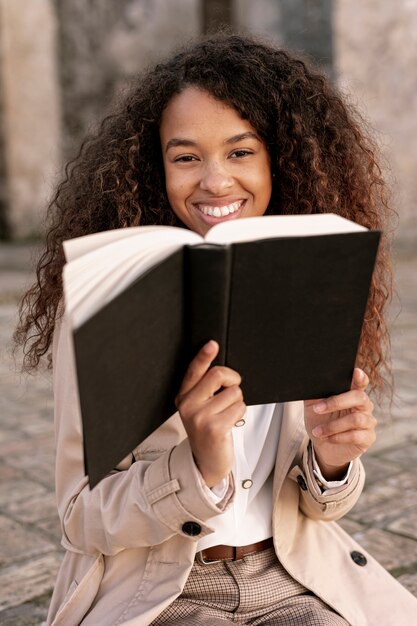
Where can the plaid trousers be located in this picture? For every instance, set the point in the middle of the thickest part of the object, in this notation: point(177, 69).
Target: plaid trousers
point(256, 590)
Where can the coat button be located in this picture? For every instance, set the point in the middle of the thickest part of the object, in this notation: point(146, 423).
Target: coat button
point(358, 558)
point(191, 528)
point(247, 484)
point(301, 482)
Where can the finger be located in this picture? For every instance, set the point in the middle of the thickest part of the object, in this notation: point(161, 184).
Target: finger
point(360, 379)
point(233, 413)
point(361, 439)
point(221, 423)
point(352, 421)
point(356, 398)
point(215, 379)
point(224, 399)
point(312, 402)
point(199, 366)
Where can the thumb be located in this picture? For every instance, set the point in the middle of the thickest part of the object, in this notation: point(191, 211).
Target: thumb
point(199, 366)
point(360, 379)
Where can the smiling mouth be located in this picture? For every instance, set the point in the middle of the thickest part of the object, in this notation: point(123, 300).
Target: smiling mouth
point(220, 211)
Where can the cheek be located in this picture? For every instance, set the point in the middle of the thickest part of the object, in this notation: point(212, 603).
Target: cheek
point(176, 184)
point(262, 188)
point(175, 192)
point(171, 187)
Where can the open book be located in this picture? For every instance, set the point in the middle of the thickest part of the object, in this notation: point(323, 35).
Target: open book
point(284, 296)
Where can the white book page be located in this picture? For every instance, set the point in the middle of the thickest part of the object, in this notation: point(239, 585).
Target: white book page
point(271, 226)
point(102, 265)
point(96, 275)
point(74, 248)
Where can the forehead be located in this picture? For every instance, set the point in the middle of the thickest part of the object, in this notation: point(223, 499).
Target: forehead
point(195, 112)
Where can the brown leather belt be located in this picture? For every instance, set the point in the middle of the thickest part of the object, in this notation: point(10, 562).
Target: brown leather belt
point(216, 554)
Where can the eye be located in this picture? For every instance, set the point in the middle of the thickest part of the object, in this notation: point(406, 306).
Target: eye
point(238, 154)
point(185, 158)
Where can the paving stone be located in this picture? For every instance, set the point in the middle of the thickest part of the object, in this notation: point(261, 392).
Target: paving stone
point(44, 473)
point(33, 509)
point(14, 284)
point(10, 450)
point(26, 614)
point(38, 427)
point(22, 543)
point(39, 464)
point(6, 436)
point(13, 408)
point(15, 490)
point(384, 521)
point(20, 583)
point(409, 581)
point(386, 500)
point(399, 432)
point(405, 455)
point(8, 473)
point(41, 454)
point(391, 550)
point(52, 528)
point(406, 524)
point(350, 526)
point(378, 469)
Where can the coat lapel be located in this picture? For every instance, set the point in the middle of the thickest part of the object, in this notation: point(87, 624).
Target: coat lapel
point(291, 438)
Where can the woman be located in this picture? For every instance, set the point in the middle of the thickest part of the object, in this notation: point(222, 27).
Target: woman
point(200, 525)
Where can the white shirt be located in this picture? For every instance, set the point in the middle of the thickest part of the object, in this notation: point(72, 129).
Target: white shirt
point(249, 518)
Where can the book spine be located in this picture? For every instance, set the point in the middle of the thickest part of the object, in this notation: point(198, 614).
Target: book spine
point(207, 295)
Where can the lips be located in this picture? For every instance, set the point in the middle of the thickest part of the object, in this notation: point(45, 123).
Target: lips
point(220, 211)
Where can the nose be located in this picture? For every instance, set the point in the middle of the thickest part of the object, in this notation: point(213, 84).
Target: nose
point(215, 178)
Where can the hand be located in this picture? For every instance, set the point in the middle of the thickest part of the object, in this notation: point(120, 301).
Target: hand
point(210, 402)
point(341, 427)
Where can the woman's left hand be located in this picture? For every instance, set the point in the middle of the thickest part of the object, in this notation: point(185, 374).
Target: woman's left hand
point(341, 427)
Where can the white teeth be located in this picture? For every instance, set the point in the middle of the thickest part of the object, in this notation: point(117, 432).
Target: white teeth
point(220, 211)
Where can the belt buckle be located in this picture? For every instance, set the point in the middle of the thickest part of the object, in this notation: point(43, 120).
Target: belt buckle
point(200, 559)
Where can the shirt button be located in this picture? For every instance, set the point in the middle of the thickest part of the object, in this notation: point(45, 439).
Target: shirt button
point(247, 484)
point(358, 558)
point(191, 528)
point(241, 422)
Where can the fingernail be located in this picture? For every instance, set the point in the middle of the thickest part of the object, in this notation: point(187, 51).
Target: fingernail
point(320, 407)
point(360, 374)
point(209, 346)
point(317, 431)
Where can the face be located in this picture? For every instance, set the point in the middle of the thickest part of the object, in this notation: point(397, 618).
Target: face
point(217, 168)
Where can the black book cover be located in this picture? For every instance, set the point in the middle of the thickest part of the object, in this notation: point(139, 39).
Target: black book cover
point(287, 313)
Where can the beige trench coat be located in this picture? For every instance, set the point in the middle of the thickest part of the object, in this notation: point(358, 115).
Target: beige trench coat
point(128, 554)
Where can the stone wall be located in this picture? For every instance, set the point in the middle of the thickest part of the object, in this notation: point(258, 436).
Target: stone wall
point(79, 53)
point(300, 25)
point(30, 109)
point(4, 227)
point(103, 44)
point(376, 62)
point(370, 49)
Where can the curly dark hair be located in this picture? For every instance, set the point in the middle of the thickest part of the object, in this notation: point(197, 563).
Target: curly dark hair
point(322, 158)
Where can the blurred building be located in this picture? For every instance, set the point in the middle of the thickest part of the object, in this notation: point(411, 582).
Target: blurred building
point(62, 62)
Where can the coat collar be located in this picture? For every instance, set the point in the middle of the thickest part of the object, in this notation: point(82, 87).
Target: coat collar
point(291, 439)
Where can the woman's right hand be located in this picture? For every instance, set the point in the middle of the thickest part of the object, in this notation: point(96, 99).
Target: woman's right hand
point(210, 402)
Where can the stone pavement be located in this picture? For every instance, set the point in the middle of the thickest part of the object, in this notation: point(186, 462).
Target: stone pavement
point(384, 521)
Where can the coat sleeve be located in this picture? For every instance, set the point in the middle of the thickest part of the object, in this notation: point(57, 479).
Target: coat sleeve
point(331, 504)
point(140, 503)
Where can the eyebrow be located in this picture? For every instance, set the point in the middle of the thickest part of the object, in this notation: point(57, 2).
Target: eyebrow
point(175, 142)
point(242, 137)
